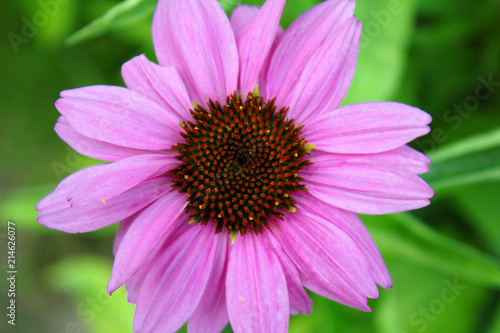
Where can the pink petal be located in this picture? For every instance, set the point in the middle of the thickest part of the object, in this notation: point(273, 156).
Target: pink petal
point(176, 281)
point(366, 128)
point(329, 262)
point(351, 224)
point(97, 215)
point(134, 285)
point(300, 302)
point(145, 237)
point(262, 80)
point(321, 86)
point(119, 116)
point(301, 40)
point(57, 199)
point(403, 157)
point(211, 313)
point(242, 15)
point(104, 181)
point(161, 84)
point(196, 38)
point(120, 233)
point(101, 182)
point(366, 187)
point(257, 296)
point(93, 148)
point(255, 41)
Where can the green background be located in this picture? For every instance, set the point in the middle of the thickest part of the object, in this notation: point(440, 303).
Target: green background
point(444, 259)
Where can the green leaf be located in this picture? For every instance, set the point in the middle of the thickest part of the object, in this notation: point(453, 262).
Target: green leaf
point(121, 15)
point(478, 206)
point(495, 327)
point(405, 236)
point(470, 161)
point(466, 146)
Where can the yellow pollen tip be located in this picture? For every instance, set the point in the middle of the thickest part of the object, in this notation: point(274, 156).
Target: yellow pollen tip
point(103, 201)
point(276, 203)
point(241, 298)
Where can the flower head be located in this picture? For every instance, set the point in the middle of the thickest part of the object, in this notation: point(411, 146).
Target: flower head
point(235, 175)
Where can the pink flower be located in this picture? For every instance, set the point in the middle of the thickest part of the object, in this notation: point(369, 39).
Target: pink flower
point(182, 182)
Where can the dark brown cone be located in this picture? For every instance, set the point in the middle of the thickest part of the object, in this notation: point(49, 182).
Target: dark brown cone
point(240, 163)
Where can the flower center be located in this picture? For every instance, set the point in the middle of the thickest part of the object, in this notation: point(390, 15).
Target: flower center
point(240, 163)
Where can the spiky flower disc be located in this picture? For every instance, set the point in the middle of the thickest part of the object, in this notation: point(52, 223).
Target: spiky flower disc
point(240, 163)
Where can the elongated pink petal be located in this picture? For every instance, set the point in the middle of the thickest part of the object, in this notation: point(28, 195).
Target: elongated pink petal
point(104, 181)
point(177, 280)
point(300, 302)
point(134, 285)
point(93, 148)
point(241, 16)
point(121, 231)
point(404, 157)
point(301, 40)
point(257, 296)
point(366, 187)
point(119, 116)
point(97, 215)
point(161, 84)
point(211, 313)
point(57, 199)
point(76, 186)
point(145, 237)
point(366, 128)
point(255, 41)
point(352, 225)
point(329, 262)
point(317, 89)
point(196, 38)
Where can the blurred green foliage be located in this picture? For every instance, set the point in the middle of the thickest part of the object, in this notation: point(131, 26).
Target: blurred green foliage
point(444, 259)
